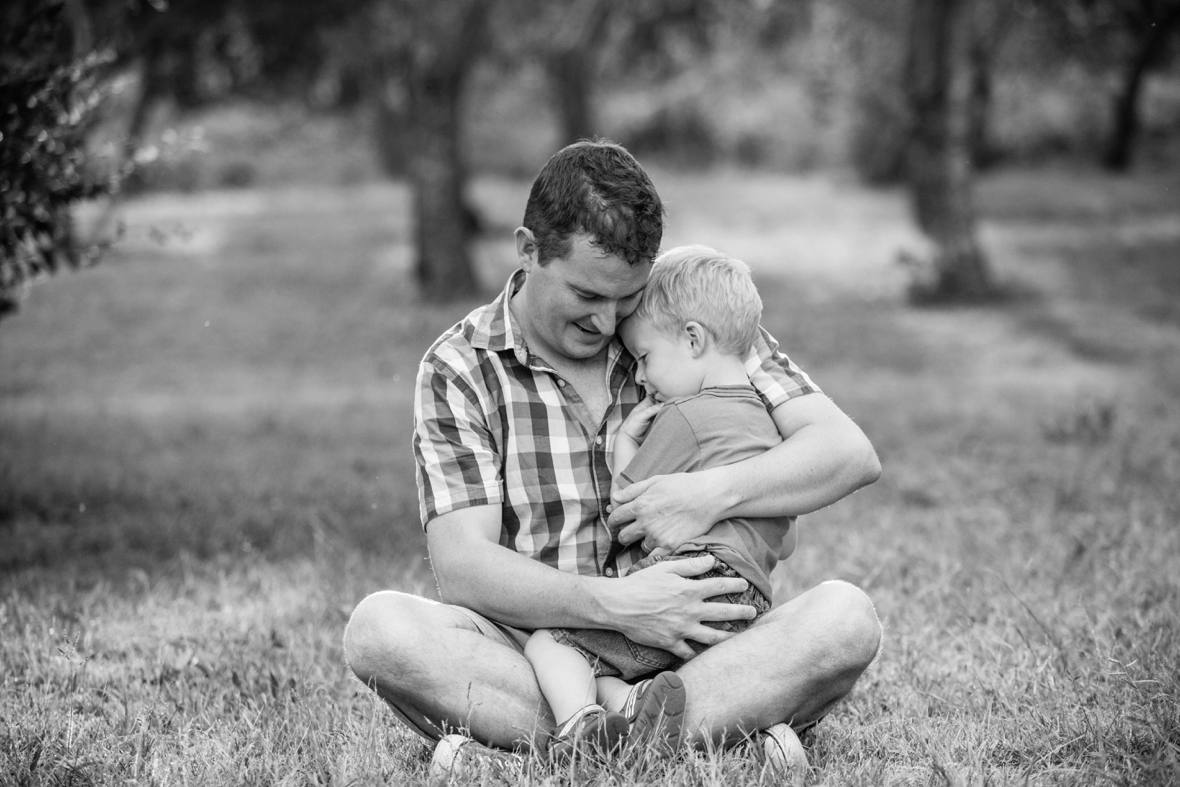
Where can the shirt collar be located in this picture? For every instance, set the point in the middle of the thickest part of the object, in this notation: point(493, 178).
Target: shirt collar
point(494, 328)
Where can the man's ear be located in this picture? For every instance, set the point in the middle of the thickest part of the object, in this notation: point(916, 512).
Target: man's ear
point(526, 248)
point(698, 337)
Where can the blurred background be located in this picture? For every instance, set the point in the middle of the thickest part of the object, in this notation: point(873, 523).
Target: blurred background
point(287, 202)
point(231, 228)
point(145, 96)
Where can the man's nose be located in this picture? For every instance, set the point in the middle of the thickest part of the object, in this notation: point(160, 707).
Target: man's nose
point(606, 318)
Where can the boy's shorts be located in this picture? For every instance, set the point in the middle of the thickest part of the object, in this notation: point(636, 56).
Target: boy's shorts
point(612, 654)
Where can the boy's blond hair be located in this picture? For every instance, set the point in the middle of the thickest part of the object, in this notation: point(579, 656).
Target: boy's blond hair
point(702, 284)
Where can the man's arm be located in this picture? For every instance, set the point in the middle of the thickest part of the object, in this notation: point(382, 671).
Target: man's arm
point(824, 457)
point(657, 606)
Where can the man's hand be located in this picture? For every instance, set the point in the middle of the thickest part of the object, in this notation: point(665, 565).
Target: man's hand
point(665, 511)
point(664, 607)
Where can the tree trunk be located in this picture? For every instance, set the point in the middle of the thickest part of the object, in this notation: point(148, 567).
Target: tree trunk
point(577, 34)
point(443, 267)
point(878, 136)
point(570, 74)
point(443, 49)
point(989, 24)
point(1125, 127)
point(152, 88)
point(979, 107)
point(939, 159)
point(390, 118)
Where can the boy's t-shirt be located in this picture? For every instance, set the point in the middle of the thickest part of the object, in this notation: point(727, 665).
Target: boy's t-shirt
point(719, 426)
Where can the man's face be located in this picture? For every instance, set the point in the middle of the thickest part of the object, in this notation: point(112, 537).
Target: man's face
point(667, 366)
point(572, 306)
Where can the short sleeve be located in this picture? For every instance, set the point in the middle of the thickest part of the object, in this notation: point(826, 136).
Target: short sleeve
point(670, 446)
point(773, 375)
point(456, 460)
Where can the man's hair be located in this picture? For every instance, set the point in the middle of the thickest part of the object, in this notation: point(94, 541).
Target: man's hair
point(702, 284)
point(598, 188)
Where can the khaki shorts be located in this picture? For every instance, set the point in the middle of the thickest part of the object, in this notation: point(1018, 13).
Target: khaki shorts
point(511, 636)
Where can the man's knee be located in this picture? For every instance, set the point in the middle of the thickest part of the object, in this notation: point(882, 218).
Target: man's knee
point(853, 621)
point(383, 627)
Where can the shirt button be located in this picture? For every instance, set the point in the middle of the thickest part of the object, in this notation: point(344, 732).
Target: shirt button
point(610, 572)
point(598, 440)
point(561, 383)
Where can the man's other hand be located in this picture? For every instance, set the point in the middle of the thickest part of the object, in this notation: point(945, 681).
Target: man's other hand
point(663, 606)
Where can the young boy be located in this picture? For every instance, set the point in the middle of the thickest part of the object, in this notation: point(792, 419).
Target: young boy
point(690, 336)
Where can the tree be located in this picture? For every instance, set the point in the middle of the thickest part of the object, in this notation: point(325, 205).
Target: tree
point(878, 137)
point(938, 163)
point(429, 52)
point(570, 60)
point(1149, 25)
point(48, 99)
point(1130, 37)
point(568, 41)
point(989, 24)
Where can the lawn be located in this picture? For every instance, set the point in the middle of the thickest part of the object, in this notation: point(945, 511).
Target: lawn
point(205, 463)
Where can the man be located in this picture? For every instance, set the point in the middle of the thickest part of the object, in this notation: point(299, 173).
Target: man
point(515, 412)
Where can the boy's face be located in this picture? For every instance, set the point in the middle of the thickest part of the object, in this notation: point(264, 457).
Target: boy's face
point(667, 366)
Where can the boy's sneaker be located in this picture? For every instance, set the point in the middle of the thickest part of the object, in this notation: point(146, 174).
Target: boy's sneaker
point(460, 758)
point(655, 710)
point(783, 752)
point(592, 732)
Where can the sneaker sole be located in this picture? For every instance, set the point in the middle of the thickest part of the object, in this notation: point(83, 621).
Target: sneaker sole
point(659, 713)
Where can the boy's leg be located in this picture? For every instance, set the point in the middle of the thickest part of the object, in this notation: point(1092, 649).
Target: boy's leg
point(613, 693)
point(565, 677)
point(793, 664)
point(439, 666)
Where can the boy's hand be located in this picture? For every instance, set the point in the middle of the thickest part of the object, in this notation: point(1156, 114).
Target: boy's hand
point(636, 424)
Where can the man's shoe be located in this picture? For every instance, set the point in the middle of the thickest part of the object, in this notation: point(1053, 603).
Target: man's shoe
point(655, 710)
point(783, 752)
point(593, 732)
point(458, 757)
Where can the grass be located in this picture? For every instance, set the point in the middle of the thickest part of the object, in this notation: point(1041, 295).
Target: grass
point(205, 464)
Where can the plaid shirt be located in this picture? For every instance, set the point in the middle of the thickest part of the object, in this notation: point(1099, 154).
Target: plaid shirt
point(496, 425)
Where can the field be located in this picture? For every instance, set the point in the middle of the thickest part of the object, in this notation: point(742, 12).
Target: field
point(204, 464)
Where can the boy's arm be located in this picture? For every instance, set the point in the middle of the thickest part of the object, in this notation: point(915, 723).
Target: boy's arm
point(631, 434)
point(625, 450)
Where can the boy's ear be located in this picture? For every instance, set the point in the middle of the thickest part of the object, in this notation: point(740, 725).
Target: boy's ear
point(698, 337)
point(526, 248)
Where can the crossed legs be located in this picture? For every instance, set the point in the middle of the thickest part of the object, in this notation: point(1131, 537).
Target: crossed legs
point(442, 669)
point(439, 666)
